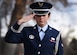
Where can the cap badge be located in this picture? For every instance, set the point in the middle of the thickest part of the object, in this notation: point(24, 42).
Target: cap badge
point(31, 36)
point(40, 4)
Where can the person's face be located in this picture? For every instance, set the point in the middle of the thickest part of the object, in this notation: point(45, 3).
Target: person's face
point(41, 19)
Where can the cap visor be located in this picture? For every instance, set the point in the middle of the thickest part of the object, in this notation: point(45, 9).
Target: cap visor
point(40, 12)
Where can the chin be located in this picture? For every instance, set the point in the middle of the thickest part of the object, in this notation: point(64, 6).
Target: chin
point(41, 25)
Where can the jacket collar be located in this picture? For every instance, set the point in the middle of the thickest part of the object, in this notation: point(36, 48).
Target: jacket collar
point(48, 33)
point(43, 28)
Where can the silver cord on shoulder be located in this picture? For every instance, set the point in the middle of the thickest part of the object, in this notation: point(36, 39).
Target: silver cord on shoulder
point(57, 44)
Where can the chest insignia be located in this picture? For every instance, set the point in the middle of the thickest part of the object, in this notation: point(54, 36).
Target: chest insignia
point(52, 39)
point(31, 36)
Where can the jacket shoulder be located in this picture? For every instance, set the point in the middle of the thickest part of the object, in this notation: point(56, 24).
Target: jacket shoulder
point(55, 31)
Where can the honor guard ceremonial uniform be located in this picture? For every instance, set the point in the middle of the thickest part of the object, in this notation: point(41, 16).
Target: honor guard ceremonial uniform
point(49, 43)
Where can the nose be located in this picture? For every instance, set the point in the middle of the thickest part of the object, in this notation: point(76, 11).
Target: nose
point(41, 16)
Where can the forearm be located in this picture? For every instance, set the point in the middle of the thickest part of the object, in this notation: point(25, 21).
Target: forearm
point(13, 35)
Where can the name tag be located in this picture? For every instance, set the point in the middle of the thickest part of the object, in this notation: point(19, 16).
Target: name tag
point(52, 39)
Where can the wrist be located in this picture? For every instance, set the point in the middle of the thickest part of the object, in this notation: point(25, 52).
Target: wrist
point(19, 22)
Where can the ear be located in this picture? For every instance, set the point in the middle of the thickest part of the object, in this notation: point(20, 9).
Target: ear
point(49, 16)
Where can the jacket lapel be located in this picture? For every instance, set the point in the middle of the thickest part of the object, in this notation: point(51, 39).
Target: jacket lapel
point(48, 34)
point(36, 33)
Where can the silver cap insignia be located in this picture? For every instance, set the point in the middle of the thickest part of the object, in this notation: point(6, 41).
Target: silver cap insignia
point(40, 4)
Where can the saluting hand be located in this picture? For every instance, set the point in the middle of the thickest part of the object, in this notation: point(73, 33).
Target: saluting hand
point(25, 19)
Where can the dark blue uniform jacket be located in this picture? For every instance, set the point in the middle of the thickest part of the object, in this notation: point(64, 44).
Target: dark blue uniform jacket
point(29, 36)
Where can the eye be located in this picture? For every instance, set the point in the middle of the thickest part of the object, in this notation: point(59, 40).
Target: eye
point(43, 15)
point(40, 15)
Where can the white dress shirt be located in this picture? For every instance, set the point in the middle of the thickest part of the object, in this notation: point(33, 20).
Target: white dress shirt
point(42, 32)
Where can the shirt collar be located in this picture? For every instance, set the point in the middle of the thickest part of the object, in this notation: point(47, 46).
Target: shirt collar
point(43, 28)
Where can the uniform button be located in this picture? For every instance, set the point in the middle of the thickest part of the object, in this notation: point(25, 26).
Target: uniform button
point(39, 45)
point(38, 52)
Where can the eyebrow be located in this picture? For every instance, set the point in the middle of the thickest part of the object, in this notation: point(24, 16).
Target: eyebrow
point(40, 15)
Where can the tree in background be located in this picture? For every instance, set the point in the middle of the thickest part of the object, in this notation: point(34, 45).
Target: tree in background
point(18, 11)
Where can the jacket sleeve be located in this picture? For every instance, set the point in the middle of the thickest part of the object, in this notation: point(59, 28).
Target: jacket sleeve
point(60, 47)
point(12, 36)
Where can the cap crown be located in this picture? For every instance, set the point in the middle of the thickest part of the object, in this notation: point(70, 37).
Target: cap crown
point(41, 5)
point(40, 8)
